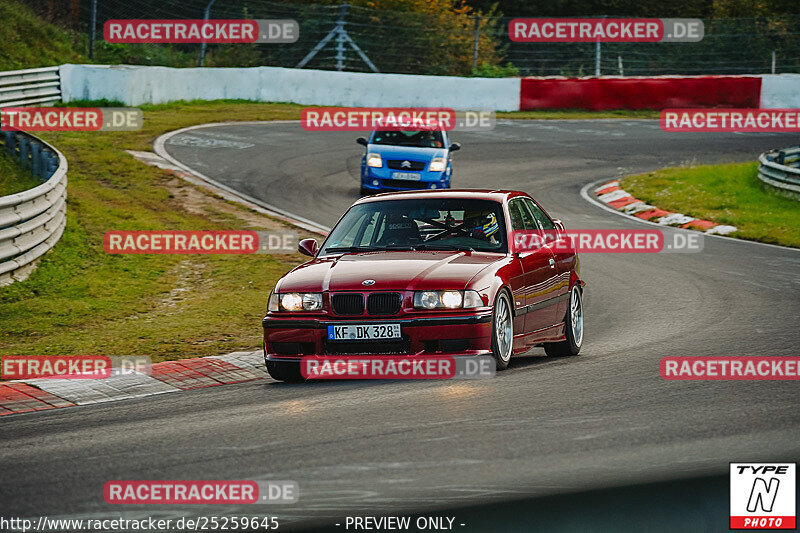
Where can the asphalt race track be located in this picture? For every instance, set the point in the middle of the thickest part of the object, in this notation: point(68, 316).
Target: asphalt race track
point(544, 427)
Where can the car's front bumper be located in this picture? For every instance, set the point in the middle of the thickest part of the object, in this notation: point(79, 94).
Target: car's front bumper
point(384, 177)
point(288, 338)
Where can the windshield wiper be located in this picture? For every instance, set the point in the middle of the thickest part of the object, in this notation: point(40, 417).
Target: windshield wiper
point(442, 246)
point(351, 249)
point(395, 247)
point(399, 247)
point(355, 249)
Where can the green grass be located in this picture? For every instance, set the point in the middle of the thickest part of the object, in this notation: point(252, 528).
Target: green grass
point(727, 194)
point(81, 300)
point(14, 178)
point(29, 42)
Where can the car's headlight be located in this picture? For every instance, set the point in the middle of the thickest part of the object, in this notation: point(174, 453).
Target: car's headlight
point(374, 160)
point(312, 301)
point(438, 165)
point(295, 301)
point(447, 299)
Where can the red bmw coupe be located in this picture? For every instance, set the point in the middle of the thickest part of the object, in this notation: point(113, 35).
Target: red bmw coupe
point(428, 273)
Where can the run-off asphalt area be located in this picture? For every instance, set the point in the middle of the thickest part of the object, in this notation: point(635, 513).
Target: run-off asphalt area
point(545, 426)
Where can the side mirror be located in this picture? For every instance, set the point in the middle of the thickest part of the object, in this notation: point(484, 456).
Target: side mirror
point(308, 247)
point(559, 224)
point(362, 141)
point(455, 146)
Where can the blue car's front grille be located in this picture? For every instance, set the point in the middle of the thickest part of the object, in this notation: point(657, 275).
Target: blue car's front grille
point(404, 184)
point(397, 164)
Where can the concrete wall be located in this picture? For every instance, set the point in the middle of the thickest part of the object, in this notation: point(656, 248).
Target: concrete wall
point(135, 85)
point(780, 91)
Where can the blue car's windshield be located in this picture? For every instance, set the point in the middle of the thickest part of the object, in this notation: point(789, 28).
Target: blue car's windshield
point(420, 224)
point(417, 139)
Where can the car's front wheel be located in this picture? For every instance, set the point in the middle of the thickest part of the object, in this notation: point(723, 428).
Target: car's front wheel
point(502, 331)
point(573, 324)
point(285, 371)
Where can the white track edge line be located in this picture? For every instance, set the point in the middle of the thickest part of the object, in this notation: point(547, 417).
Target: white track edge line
point(158, 146)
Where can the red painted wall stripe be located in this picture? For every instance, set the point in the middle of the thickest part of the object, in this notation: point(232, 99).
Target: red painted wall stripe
point(640, 93)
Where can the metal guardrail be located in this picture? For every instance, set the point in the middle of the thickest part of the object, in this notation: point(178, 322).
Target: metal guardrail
point(781, 169)
point(39, 86)
point(32, 221)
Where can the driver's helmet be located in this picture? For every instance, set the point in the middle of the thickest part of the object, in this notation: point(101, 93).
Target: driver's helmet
point(483, 226)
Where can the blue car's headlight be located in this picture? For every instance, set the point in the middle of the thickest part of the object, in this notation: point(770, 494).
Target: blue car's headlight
point(438, 164)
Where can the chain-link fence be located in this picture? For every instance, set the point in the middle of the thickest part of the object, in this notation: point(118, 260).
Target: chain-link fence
point(448, 42)
point(730, 46)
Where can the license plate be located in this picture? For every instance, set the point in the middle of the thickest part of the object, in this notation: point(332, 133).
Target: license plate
point(361, 332)
point(413, 176)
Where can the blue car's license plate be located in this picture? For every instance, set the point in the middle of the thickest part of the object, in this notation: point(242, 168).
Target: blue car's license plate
point(411, 176)
point(360, 332)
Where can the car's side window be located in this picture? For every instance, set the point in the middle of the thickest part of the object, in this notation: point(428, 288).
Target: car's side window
point(515, 212)
point(544, 221)
point(528, 222)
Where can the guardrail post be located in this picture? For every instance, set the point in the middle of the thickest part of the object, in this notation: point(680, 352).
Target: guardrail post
point(36, 159)
point(781, 157)
point(50, 163)
point(24, 152)
point(11, 143)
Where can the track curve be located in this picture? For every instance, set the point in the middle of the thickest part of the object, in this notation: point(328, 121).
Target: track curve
point(545, 426)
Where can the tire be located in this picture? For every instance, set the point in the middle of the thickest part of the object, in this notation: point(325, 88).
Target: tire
point(502, 330)
point(573, 327)
point(285, 371)
point(366, 192)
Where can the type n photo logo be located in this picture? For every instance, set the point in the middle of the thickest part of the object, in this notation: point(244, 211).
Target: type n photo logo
point(763, 495)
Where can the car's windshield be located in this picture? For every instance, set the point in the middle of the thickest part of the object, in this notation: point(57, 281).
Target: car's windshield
point(420, 224)
point(419, 139)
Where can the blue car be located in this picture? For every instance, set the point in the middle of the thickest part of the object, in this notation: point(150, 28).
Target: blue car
point(402, 160)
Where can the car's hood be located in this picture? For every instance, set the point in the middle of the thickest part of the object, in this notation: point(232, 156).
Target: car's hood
point(398, 270)
point(389, 151)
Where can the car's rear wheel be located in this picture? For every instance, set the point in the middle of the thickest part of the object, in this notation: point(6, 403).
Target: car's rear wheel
point(502, 331)
point(285, 371)
point(573, 326)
